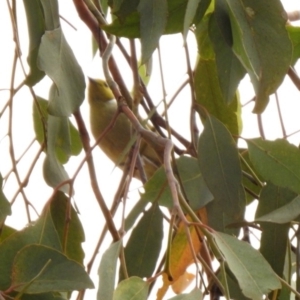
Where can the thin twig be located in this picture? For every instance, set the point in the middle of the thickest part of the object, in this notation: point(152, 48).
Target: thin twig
point(280, 116)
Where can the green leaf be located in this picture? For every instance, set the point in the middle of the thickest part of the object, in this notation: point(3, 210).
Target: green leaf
point(40, 269)
point(59, 209)
point(153, 18)
point(284, 214)
point(56, 58)
point(274, 237)
point(148, 235)
point(54, 173)
point(276, 161)
point(207, 84)
point(261, 43)
point(248, 182)
point(67, 141)
point(196, 294)
point(234, 289)
point(51, 14)
point(133, 288)
point(36, 28)
point(46, 296)
point(294, 34)
point(122, 9)
point(6, 232)
point(195, 188)
point(190, 13)
point(5, 209)
point(42, 232)
point(253, 273)
point(130, 27)
point(48, 230)
point(219, 220)
point(107, 271)
point(219, 163)
point(230, 70)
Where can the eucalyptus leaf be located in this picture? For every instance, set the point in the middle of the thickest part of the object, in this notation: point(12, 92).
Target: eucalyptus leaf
point(283, 214)
point(36, 28)
point(274, 237)
point(67, 140)
point(42, 232)
point(148, 234)
point(276, 161)
point(229, 68)
point(107, 271)
point(40, 269)
point(57, 60)
point(133, 288)
point(219, 163)
point(253, 273)
point(153, 20)
point(209, 94)
point(5, 209)
point(262, 44)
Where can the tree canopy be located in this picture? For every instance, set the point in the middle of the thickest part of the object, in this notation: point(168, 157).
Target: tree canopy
point(188, 230)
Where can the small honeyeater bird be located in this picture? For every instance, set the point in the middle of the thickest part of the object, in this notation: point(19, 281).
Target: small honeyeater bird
point(103, 107)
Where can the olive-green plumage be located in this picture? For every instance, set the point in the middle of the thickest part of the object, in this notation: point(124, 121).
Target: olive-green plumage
point(103, 107)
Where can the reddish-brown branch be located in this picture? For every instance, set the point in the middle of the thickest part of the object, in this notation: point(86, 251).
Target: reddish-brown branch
point(86, 145)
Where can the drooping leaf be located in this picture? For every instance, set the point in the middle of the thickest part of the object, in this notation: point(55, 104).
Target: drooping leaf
point(57, 60)
point(253, 273)
point(5, 209)
point(283, 214)
point(148, 235)
point(153, 18)
point(133, 288)
point(252, 188)
point(48, 230)
point(274, 237)
point(107, 271)
point(54, 173)
point(207, 84)
point(276, 161)
point(42, 232)
point(261, 43)
point(130, 27)
point(230, 70)
point(67, 140)
point(58, 209)
point(219, 163)
point(36, 28)
point(51, 14)
point(40, 269)
point(190, 13)
point(181, 256)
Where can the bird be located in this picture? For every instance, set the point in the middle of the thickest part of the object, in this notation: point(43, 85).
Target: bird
point(103, 107)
